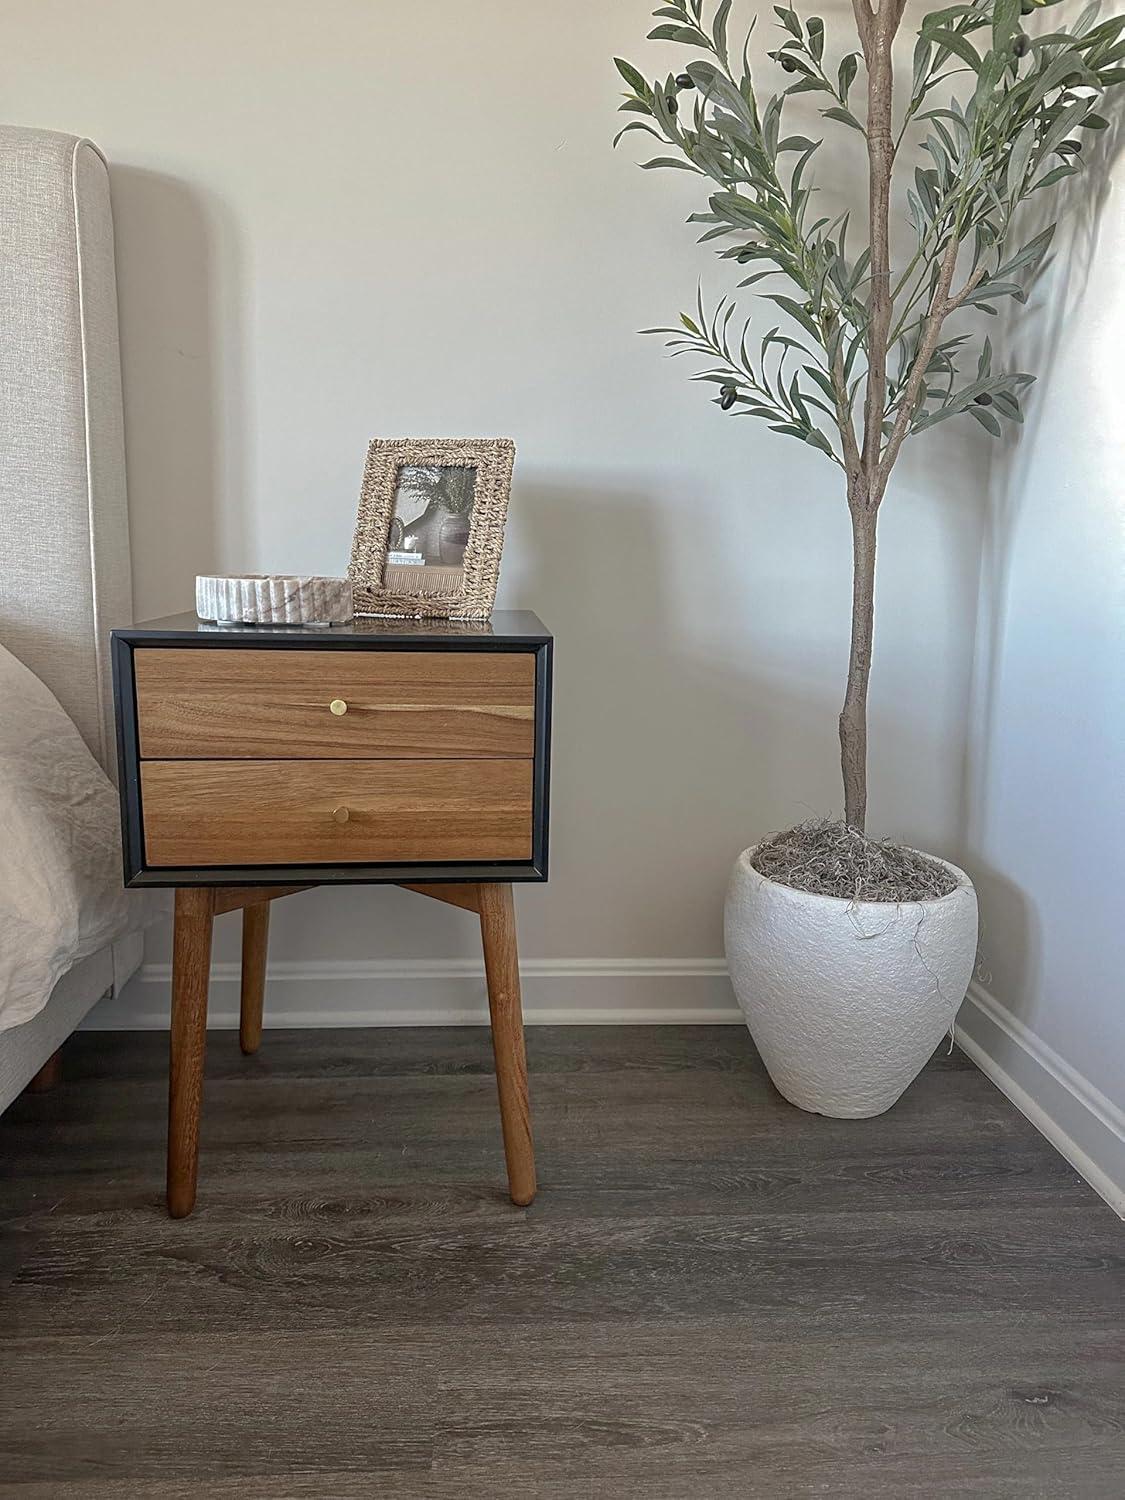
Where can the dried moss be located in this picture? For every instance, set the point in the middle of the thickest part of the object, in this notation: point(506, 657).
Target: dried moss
point(831, 859)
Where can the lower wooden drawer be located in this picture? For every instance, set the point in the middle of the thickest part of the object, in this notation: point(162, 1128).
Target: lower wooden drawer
point(282, 812)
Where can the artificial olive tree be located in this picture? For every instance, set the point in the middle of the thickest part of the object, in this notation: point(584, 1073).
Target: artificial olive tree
point(868, 359)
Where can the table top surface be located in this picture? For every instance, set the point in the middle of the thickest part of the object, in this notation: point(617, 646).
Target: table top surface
point(506, 626)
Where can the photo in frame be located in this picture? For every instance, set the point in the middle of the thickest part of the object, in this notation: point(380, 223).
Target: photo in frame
point(430, 528)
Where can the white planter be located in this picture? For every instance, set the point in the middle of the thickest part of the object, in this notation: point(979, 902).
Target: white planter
point(846, 1000)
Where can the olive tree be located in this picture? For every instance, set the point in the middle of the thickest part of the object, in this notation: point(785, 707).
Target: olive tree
point(864, 356)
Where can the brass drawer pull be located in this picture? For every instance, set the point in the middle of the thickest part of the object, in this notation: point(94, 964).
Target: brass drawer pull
point(338, 707)
point(341, 814)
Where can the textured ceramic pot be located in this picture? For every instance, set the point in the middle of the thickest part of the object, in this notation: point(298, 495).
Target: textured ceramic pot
point(846, 1000)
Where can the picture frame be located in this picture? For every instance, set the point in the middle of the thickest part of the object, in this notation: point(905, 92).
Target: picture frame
point(430, 528)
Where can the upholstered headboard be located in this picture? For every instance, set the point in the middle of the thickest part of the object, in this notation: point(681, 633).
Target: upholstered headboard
point(64, 538)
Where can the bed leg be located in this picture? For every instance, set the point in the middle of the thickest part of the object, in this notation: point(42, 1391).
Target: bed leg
point(49, 1075)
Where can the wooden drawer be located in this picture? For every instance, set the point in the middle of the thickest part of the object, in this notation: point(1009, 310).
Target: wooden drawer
point(285, 812)
point(271, 705)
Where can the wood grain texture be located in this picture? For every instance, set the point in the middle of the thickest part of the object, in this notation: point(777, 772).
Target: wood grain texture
point(275, 704)
point(466, 894)
point(255, 944)
point(715, 1295)
point(239, 812)
point(238, 897)
point(191, 979)
point(502, 975)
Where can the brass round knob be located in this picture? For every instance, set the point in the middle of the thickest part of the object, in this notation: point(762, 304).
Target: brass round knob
point(341, 814)
point(338, 706)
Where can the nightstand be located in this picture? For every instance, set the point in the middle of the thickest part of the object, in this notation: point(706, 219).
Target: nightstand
point(257, 762)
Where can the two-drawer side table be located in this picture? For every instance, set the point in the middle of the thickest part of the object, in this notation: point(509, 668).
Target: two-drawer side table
point(256, 762)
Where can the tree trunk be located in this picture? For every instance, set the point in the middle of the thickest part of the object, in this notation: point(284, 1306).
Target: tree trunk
point(853, 716)
point(867, 471)
point(881, 154)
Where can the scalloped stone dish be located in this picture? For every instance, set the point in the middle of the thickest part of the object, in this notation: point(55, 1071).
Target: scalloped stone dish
point(274, 599)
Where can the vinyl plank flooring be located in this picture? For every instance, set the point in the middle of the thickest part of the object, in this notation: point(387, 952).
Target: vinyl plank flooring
point(264, 1403)
point(714, 1295)
point(726, 1408)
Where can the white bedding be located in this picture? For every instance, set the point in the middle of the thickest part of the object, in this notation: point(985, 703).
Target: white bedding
point(61, 897)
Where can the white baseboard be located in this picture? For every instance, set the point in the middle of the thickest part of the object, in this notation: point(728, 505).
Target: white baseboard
point(1078, 1120)
point(447, 992)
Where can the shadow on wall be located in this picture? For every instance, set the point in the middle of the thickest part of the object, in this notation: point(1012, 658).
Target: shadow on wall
point(179, 283)
point(676, 744)
point(1029, 339)
point(1040, 332)
point(1007, 917)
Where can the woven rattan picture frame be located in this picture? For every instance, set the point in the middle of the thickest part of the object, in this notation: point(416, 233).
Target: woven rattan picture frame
point(430, 528)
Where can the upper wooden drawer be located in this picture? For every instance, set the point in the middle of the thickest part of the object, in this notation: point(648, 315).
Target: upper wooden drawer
point(273, 704)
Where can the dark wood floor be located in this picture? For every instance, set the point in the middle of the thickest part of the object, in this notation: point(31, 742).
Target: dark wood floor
point(715, 1294)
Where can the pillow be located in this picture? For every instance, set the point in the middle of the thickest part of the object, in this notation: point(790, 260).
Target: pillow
point(61, 896)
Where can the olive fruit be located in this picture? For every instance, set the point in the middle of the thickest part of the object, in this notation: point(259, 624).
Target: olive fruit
point(788, 64)
point(984, 399)
point(1020, 45)
point(728, 395)
point(684, 81)
point(671, 101)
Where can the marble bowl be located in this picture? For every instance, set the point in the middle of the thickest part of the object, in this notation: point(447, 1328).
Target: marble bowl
point(274, 599)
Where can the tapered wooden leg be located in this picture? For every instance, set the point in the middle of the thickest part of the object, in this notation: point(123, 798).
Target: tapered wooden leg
point(255, 939)
point(191, 969)
point(49, 1075)
point(501, 967)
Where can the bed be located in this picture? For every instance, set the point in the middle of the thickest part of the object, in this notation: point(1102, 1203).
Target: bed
point(64, 544)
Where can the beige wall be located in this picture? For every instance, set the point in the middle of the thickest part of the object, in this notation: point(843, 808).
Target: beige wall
point(352, 218)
